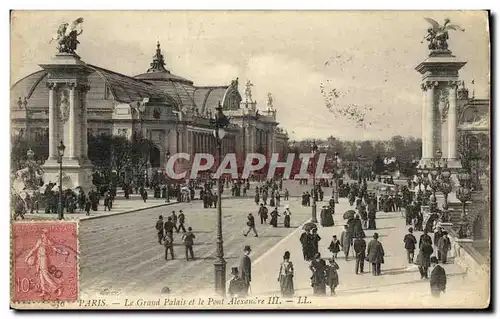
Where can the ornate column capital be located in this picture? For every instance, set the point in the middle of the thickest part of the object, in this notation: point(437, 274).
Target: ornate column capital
point(71, 85)
point(51, 85)
point(428, 85)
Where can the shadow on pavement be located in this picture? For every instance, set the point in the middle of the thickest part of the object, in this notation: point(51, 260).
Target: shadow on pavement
point(213, 258)
point(386, 228)
point(269, 236)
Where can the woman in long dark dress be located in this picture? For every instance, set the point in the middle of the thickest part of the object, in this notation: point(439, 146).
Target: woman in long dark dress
point(274, 218)
point(287, 214)
point(318, 278)
point(332, 276)
point(285, 276)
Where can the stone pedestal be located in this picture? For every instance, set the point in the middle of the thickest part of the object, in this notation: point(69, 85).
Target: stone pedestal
point(439, 110)
point(67, 82)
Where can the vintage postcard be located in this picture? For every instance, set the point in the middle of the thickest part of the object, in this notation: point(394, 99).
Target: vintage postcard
point(250, 160)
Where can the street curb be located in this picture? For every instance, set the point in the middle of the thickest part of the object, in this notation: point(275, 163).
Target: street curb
point(142, 208)
point(126, 212)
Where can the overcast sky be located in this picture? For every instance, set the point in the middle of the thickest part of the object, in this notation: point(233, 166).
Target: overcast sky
point(367, 56)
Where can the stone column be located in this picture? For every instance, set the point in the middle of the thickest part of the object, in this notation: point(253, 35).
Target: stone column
point(452, 122)
point(72, 122)
point(429, 145)
point(83, 122)
point(424, 120)
point(53, 138)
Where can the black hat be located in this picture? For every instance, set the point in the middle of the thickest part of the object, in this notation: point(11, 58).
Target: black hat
point(234, 270)
point(375, 235)
point(169, 218)
point(247, 248)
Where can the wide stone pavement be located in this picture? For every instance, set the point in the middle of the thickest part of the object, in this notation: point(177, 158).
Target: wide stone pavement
point(122, 252)
point(398, 286)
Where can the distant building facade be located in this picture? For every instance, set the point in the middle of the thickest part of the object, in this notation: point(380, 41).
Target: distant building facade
point(167, 109)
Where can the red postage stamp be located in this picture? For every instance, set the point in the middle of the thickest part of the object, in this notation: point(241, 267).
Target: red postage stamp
point(45, 261)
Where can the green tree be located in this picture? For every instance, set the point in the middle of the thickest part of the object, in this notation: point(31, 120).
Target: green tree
point(20, 145)
point(117, 153)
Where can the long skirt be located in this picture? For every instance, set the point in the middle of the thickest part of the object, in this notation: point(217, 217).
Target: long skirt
point(287, 221)
point(286, 286)
point(319, 289)
point(372, 224)
point(274, 221)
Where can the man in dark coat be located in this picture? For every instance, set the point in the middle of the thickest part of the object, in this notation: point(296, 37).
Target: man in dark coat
point(251, 225)
point(357, 228)
point(169, 246)
point(424, 238)
point(424, 259)
point(315, 241)
point(375, 254)
point(246, 268)
point(262, 212)
point(188, 239)
point(410, 243)
point(174, 221)
point(159, 228)
point(438, 278)
point(182, 220)
point(304, 238)
point(359, 248)
point(372, 214)
point(169, 227)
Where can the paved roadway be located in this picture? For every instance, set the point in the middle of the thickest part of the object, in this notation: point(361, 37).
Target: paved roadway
point(122, 252)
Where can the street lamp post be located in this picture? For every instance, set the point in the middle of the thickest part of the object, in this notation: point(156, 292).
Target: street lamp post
point(60, 150)
point(463, 195)
point(220, 122)
point(314, 150)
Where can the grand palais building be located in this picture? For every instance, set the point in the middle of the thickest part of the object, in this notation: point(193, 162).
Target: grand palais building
point(168, 109)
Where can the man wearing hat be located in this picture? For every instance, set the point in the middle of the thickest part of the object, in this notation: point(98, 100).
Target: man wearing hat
point(182, 220)
point(360, 248)
point(375, 254)
point(410, 243)
point(251, 225)
point(159, 228)
point(236, 284)
point(246, 268)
